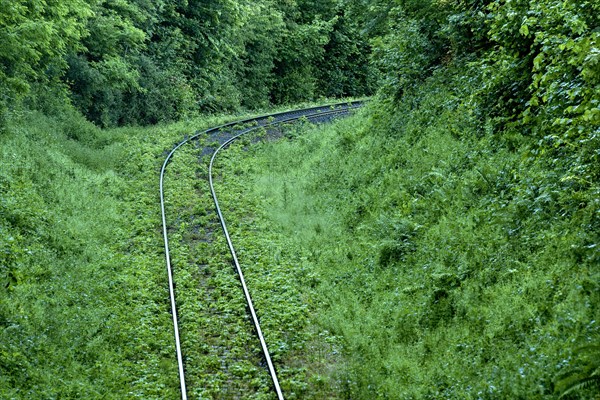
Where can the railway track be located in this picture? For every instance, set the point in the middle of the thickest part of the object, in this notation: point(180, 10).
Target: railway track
point(224, 135)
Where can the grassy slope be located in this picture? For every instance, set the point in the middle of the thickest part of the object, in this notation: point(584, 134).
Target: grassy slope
point(409, 255)
point(84, 307)
point(83, 303)
point(446, 262)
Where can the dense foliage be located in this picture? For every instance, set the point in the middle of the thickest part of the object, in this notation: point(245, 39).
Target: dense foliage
point(452, 233)
point(81, 302)
point(443, 244)
point(144, 61)
point(537, 64)
point(431, 255)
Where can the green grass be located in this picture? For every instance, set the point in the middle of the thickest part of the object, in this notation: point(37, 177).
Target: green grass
point(84, 307)
point(442, 261)
point(403, 253)
point(82, 310)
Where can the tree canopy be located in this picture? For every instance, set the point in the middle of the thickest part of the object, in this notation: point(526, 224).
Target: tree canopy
point(144, 61)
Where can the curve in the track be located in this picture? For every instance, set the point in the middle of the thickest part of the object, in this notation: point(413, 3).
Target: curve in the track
point(314, 114)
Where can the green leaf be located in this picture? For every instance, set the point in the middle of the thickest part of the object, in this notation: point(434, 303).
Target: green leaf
point(524, 30)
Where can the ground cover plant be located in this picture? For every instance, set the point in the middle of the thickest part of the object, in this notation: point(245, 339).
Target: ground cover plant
point(82, 299)
point(442, 244)
point(84, 309)
point(444, 262)
point(81, 304)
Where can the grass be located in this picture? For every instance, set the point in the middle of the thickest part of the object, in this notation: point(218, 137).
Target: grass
point(84, 309)
point(83, 303)
point(83, 314)
point(439, 261)
point(406, 252)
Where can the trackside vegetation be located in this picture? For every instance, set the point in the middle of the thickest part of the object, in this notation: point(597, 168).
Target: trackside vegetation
point(442, 243)
point(82, 307)
point(426, 256)
point(449, 235)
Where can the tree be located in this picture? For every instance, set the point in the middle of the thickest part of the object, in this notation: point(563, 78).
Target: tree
point(35, 35)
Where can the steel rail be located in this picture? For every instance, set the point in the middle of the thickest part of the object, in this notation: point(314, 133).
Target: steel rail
point(170, 274)
point(238, 268)
point(309, 113)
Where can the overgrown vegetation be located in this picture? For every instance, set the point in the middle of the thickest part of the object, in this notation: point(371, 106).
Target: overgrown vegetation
point(443, 244)
point(431, 254)
point(81, 300)
point(452, 231)
point(83, 310)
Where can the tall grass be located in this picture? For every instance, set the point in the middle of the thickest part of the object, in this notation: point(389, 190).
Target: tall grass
point(444, 261)
point(83, 305)
point(73, 310)
point(84, 309)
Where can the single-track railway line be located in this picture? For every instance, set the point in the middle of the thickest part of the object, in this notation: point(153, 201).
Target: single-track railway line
point(225, 135)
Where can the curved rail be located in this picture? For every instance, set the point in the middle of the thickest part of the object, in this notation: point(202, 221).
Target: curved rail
point(314, 113)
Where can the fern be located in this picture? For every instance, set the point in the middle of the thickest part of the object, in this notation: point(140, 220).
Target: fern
point(585, 377)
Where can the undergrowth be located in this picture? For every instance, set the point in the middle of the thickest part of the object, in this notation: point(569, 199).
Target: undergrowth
point(408, 252)
point(80, 307)
point(84, 309)
point(444, 260)
point(84, 304)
